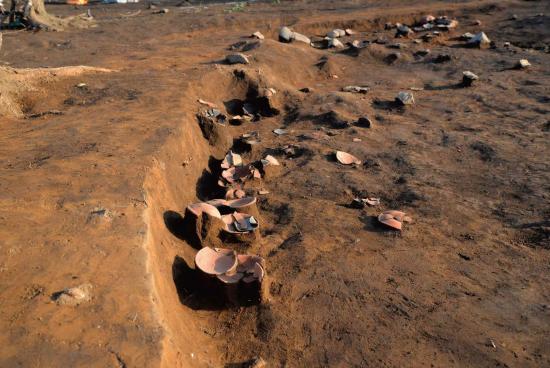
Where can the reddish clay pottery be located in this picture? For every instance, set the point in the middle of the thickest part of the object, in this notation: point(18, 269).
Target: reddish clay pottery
point(216, 261)
point(240, 223)
point(199, 208)
point(270, 167)
point(203, 224)
point(393, 219)
point(232, 159)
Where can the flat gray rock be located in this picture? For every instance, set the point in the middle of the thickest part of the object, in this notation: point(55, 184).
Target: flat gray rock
point(355, 89)
point(480, 40)
point(237, 58)
point(405, 98)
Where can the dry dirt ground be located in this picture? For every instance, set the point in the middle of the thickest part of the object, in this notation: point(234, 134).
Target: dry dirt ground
point(94, 181)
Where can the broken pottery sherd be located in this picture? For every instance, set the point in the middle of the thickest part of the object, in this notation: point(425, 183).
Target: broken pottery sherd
point(231, 159)
point(270, 160)
point(393, 219)
point(240, 223)
point(199, 208)
point(216, 261)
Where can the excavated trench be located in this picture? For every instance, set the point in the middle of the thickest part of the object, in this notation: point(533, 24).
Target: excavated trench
point(186, 171)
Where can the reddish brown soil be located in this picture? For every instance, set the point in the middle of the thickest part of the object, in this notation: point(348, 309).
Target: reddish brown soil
point(464, 285)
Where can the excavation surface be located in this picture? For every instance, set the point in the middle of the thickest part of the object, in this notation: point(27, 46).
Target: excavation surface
point(97, 168)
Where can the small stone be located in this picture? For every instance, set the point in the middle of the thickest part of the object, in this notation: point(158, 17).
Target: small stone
point(442, 58)
point(397, 45)
point(514, 17)
point(257, 362)
point(355, 89)
point(73, 296)
point(405, 98)
point(161, 11)
point(237, 58)
point(356, 44)
point(480, 40)
point(477, 22)
point(523, 63)
point(349, 32)
point(258, 35)
point(422, 53)
point(403, 31)
point(364, 122)
point(389, 26)
point(335, 33)
point(467, 36)
point(447, 25)
point(468, 78)
point(305, 90)
point(333, 42)
point(285, 34)
point(356, 140)
point(280, 131)
point(506, 44)
point(427, 19)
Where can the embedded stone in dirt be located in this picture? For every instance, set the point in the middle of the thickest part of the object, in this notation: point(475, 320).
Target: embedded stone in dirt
point(355, 89)
point(403, 31)
point(523, 64)
point(362, 202)
point(237, 58)
point(347, 159)
point(335, 43)
point(442, 58)
point(364, 122)
point(257, 362)
point(285, 34)
point(405, 98)
point(468, 78)
point(480, 40)
point(445, 24)
point(427, 19)
point(74, 296)
point(258, 35)
point(467, 36)
point(335, 33)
